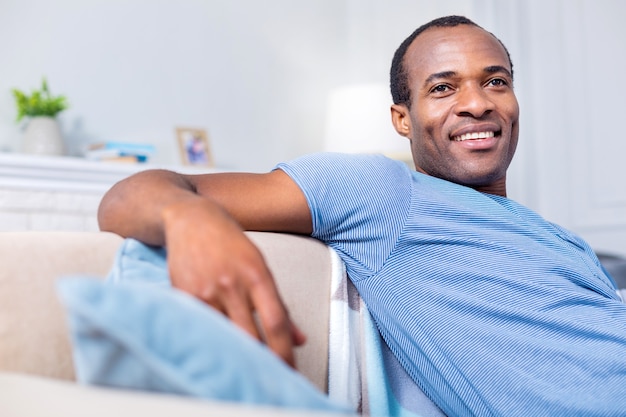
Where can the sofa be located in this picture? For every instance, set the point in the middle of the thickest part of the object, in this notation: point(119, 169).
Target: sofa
point(37, 376)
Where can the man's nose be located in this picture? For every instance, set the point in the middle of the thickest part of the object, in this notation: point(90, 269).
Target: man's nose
point(473, 101)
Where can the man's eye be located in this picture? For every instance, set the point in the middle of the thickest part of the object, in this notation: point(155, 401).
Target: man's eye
point(441, 88)
point(498, 82)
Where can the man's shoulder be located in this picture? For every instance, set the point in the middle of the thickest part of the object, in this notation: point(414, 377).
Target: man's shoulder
point(344, 165)
point(348, 158)
point(354, 180)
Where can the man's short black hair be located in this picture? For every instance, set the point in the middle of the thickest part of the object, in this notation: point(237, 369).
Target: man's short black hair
point(399, 77)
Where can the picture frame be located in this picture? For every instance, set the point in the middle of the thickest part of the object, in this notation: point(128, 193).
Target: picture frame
point(194, 146)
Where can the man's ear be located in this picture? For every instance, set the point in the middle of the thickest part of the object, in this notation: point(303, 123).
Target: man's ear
point(400, 119)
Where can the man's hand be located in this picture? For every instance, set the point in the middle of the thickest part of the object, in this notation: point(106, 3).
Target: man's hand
point(210, 257)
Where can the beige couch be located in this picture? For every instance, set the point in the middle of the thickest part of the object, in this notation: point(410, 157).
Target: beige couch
point(36, 372)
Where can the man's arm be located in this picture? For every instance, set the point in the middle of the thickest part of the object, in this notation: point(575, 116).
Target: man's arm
point(201, 219)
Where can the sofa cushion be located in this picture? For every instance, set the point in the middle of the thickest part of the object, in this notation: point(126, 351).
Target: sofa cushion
point(55, 398)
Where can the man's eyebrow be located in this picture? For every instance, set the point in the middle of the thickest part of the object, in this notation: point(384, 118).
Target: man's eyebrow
point(439, 75)
point(498, 68)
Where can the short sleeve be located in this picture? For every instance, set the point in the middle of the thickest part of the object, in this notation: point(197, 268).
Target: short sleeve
point(358, 203)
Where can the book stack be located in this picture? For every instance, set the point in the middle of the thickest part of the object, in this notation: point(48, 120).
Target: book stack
point(120, 152)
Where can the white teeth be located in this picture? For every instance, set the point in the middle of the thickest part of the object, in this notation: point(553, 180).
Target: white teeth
point(474, 135)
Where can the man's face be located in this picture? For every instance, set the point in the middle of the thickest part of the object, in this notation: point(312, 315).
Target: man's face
point(463, 120)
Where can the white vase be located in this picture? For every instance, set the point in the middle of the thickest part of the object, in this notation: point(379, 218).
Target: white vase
point(43, 137)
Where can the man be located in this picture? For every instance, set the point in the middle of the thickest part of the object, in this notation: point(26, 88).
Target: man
point(490, 309)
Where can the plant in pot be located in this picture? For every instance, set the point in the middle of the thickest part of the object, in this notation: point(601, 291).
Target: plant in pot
point(42, 134)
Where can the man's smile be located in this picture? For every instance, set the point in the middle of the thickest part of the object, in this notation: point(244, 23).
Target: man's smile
point(473, 135)
point(477, 139)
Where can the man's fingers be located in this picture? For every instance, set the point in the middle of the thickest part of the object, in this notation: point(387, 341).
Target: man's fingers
point(272, 326)
point(297, 336)
point(238, 309)
point(238, 288)
point(275, 322)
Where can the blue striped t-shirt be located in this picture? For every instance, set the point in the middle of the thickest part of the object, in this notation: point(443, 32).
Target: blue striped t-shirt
point(491, 309)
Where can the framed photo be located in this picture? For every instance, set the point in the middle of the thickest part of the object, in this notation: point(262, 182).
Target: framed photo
point(194, 146)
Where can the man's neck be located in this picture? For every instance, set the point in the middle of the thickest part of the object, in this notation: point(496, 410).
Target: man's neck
point(497, 188)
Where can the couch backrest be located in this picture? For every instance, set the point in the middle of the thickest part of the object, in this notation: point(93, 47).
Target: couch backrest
point(33, 334)
point(302, 269)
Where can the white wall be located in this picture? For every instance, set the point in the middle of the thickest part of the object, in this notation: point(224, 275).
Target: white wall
point(254, 74)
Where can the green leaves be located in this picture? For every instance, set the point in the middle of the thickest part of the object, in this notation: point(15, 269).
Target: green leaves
point(39, 103)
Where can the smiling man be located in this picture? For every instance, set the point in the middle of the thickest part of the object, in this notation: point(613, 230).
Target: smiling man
point(490, 309)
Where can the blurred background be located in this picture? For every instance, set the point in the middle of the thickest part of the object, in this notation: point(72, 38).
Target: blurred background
point(262, 78)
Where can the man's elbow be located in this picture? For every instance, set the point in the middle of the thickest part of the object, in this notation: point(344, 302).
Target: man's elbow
point(105, 213)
